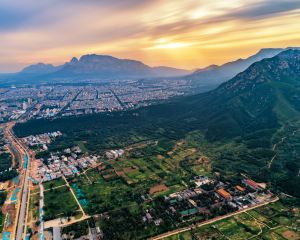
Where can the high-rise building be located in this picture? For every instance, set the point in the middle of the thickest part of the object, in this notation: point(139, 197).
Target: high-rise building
point(24, 106)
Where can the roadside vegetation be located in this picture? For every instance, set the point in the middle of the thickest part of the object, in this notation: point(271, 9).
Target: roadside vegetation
point(3, 196)
point(6, 171)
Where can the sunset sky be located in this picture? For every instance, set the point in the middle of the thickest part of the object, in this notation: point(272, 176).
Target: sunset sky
point(180, 33)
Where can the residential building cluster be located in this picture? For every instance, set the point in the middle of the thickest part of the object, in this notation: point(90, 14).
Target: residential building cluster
point(208, 199)
point(11, 111)
point(57, 100)
point(66, 163)
point(40, 142)
point(114, 154)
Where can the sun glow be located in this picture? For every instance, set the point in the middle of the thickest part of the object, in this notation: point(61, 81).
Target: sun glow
point(185, 34)
point(171, 45)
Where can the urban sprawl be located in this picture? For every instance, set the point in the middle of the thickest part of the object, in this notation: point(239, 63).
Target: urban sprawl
point(52, 101)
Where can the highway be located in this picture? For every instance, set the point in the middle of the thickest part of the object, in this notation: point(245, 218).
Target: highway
point(24, 174)
point(23, 206)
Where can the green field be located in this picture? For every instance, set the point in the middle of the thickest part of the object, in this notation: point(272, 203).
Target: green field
point(59, 202)
point(34, 205)
point(54, 184)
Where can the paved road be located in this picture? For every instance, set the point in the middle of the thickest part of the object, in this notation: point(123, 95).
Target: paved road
point(56, 233)
point(23, 208)
point(25, 185)
point(41, 212)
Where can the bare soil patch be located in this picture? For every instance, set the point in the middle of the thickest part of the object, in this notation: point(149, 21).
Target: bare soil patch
point(290, 235)
point(158, 188)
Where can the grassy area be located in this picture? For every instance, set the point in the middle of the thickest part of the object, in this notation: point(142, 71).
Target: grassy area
point(203, 233)
point(120, 184)
point(54, 183)
point(35, 190)
point(232, 228)
point(59, 202)
point(82, 146)
point(34, 206)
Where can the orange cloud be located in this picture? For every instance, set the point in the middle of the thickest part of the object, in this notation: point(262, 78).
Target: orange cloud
point(189, 34)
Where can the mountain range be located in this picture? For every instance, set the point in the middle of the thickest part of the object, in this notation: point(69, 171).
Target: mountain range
point(263, 96)
point(106, 68)
point(214, 75)
point(111, 67)
point(103, 66)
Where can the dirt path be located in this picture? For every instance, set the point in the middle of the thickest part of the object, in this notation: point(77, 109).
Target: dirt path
point(63, 222)
point(87, 178)
point(273, 149)
point(259, 225)
point(51, 189)
point(74, 195)
point(275, 146)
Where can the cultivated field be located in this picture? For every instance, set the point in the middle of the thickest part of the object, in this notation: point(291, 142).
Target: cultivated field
point(270, 222)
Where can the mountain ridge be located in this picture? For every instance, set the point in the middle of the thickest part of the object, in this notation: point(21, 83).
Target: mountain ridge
point(105, 66)
point(245, 103)
point(40, 68)
point(214, 75)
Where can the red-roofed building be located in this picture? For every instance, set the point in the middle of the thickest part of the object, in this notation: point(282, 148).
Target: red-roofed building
point(250, 183)
point(224, 194)
point(239, 188)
